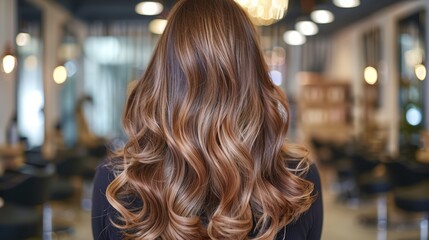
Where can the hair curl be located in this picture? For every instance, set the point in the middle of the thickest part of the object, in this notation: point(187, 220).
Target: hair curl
point(207, 156)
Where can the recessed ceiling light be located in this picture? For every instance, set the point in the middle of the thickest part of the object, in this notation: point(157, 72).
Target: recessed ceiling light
point(293, 37)
point(307, 27)
point(347, 3)
point(322, 16)
point(149, 8)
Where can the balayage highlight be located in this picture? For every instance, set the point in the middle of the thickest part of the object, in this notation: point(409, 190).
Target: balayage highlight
point(207, 156)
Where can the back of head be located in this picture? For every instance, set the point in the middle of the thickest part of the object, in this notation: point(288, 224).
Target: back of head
point(207, 128)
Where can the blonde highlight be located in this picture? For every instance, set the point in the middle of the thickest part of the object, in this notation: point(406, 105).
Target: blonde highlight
point(207, 156)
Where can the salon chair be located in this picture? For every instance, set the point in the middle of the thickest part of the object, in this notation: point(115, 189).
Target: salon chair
point(25, 193)
point(69, 165)
point(411, 192)
point(373, 181)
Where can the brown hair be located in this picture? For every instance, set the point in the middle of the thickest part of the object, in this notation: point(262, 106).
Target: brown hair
point(207, 153)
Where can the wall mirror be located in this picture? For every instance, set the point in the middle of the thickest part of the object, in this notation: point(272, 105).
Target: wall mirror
point(412, 62)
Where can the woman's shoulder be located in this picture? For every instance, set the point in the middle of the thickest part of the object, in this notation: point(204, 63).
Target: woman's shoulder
point(312, 174)
point(104, 174)
point(309, 225)
point(102, 211)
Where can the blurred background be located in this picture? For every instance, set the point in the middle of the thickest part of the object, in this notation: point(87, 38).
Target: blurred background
point(355, 72)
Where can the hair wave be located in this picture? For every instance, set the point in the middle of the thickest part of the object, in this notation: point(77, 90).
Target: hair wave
point(207, 156)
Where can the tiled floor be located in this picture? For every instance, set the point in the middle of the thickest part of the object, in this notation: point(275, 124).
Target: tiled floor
point(341, 221)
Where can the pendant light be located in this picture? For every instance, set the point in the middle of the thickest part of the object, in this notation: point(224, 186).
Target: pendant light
point(8, 60)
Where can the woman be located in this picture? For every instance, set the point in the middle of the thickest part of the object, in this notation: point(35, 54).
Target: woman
point(206, 156)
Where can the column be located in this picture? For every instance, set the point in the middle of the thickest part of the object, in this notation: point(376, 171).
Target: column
point(391, 82)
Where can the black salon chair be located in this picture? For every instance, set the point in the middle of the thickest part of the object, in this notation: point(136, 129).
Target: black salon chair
point(372, 182)
point(69, 166)
point(24, 192)
point(411, 192)
point(337, 157)
point(378, 186)
point(415, 199)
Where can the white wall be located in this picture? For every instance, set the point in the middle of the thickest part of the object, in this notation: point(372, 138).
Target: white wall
point(7, 82)
point(347, 63)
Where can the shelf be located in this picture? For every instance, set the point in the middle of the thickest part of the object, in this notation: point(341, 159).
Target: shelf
point(324, 106)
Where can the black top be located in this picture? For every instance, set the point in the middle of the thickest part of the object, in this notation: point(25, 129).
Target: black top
point(307, 227)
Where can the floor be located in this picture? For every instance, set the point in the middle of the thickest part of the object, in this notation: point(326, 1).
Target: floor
point(341, 222)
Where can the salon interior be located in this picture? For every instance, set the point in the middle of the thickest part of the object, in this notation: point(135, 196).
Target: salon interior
point(354, 71)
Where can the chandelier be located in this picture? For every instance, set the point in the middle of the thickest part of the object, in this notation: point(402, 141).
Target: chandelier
point(265, 12)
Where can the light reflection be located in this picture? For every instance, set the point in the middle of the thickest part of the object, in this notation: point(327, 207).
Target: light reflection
point(420, 71)
point(276, 77)
point(413, 116)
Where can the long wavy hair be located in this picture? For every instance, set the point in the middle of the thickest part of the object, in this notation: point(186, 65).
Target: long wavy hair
point(207, 156)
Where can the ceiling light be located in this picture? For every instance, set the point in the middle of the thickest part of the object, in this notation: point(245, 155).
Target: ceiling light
point(294, 38)
point(307, 27)
point(420, 71)
point(264, 12)
point(8, 61)
point(370, 75)
point(60, 74)
point(157, 26)
point(149, 8)
point(347, 3)
point(322, 16)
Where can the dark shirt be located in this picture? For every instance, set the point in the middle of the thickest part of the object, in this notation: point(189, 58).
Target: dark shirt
point(307, 227)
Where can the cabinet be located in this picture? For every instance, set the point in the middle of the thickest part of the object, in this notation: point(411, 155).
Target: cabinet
point(324, 107)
